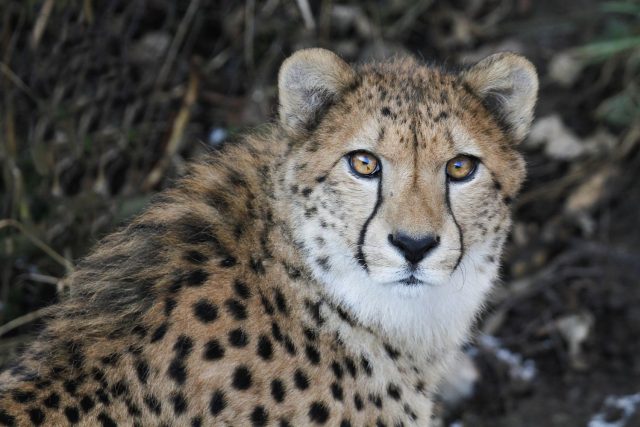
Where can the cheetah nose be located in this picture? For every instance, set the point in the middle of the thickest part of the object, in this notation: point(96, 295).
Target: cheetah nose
point(414, 249)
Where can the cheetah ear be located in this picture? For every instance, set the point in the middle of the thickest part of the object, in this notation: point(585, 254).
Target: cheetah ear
point(309, 81)
point(508, 86)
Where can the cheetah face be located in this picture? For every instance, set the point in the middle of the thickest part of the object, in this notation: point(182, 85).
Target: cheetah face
point(400, 181)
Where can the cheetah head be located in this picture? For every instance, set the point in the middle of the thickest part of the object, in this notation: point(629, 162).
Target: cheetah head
point(399, 179)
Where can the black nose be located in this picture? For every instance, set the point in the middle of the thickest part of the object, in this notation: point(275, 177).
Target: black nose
point(414, 249)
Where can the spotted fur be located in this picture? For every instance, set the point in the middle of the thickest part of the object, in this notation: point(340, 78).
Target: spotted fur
point(262, 290)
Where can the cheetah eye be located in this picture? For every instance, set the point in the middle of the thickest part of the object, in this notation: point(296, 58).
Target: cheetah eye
point(364, 164)
point(461, 167)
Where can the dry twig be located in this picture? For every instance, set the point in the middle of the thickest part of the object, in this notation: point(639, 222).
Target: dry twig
point(39, 243)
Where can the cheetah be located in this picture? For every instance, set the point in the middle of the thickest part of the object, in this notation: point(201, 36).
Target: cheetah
point(322, 270)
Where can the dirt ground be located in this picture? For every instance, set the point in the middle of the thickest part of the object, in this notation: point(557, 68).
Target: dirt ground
point(102, 103)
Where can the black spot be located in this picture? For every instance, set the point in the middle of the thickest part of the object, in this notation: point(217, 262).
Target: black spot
point(236, 309)
point(179, 403)
point(300, 380)
point(177, 371)
point(442, 116)
point(135, 349)
point(99, 376)
point(106, 420)
point(195, 257)
point(152, 403)
point(76, 357)
point(345, 423)
point(120, 388)
point(6, 419)
point(217, 403)
point(72, 414)
point(169, 305)
point(205, 311)
point(284, 423)
point(278, 390)
point(293, 272)
point(265, 348)
point(259, 416)
point(351, 367)
point(228, 262)
point(160, 332)
point(41, 384)
point(21, 396)
point(87, 403)
point(281, 302)
point(306, 191)
point(241, 378)
point(336, 391)
point(183, 346)
point(385, 111)
point(311, 334)
point(238, 338)
point(140, 331)
point(176, 285)
point(289, 346)
point(110, 359)
point(257, 266)
point(318, 412)
point(213, 350)
point(36, 416)
point(312, 354)
point(276, 332)
point(323, 263)
point(52, 401)
point(133, 409)
point(320, 179)
point(314, 310)
point(409, 411)
point(71, 386)
point(380, 423)
point(242, 290)
point(392, 352)
point(103, 397)
point(357, 400)
point(197, 277)
point(394, 391)
point(376, 400)
point(268, 307)
point(142, 370)
point(337, 369)
point(366, 365)
point(419, 386)
point(344, 315)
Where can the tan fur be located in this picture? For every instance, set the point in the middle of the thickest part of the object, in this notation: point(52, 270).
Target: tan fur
point(156, 327)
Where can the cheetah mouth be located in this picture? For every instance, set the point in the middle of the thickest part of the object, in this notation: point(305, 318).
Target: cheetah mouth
point(412, 281)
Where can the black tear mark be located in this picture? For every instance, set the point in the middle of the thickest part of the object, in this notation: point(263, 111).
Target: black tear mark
point(363, 233)
point(455, 221)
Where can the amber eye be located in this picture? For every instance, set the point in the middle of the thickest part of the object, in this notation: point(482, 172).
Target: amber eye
point(363, 163)
point(461, 167)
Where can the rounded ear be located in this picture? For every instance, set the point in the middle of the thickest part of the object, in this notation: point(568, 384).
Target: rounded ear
point(308, 82)
point(507, 84)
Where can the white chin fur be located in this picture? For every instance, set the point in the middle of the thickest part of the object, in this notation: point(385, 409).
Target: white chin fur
point(426, 318)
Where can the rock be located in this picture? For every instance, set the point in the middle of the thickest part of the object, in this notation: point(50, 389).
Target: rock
point(588, 193)
point(460, 382)
point(575, 329)
point(565, 68)
point(559, 142)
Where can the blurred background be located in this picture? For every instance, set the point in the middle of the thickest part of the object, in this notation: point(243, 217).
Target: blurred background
point(102, 103)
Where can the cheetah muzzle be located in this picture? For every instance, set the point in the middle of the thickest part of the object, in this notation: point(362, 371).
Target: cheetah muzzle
point(322, 270)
